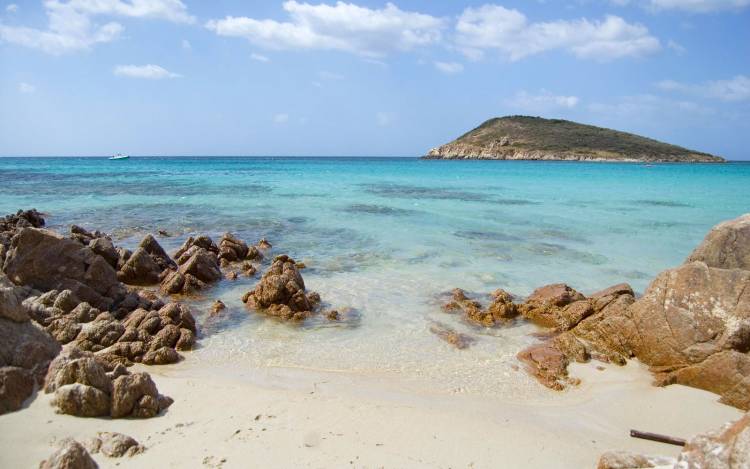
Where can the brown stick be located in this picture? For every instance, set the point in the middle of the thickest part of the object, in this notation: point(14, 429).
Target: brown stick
point(656, 437)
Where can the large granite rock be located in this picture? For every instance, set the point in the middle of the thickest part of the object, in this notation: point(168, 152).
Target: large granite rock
point(146, 264)
point(46, 261)
point(727, 245)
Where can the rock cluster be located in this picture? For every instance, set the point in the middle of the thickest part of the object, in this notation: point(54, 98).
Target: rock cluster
point(152, 333)
point(87, 385)
point(500, 311)
point(281, 292)
point(725, 448)
point(692, 325)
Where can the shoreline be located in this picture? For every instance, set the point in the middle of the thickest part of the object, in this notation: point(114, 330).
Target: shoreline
point(323, 419)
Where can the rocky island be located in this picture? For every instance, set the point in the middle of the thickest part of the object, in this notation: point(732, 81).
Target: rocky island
point(535, 138)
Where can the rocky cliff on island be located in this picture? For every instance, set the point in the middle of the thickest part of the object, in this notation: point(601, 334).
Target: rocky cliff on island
point(535, 138)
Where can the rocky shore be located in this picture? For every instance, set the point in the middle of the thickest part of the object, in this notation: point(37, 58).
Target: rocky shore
point(77, 313)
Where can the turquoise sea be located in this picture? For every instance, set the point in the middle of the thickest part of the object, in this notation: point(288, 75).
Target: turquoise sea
point(387, 236)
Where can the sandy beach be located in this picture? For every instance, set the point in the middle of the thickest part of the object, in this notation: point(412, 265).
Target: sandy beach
point(300, 418)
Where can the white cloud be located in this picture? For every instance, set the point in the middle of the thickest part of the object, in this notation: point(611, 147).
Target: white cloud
point(259, 57)
point(449, 67)
point(733, 89)
point(70, 26)
point(26, 88)
point(149, 72)
point(493, 27)
point(343, 27)
point(676, 46)
point(542, 102)
point(281, 118)
point(648, 106)
point(186, 45)
point(330, 76)
point(11, 8)
point(699, 6)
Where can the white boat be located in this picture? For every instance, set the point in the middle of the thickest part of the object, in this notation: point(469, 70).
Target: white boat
point(119, 156)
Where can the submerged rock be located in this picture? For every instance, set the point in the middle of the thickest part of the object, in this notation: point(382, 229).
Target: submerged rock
point(457, 339)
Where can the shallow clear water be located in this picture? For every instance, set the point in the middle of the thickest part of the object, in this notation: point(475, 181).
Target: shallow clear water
point(385, 236)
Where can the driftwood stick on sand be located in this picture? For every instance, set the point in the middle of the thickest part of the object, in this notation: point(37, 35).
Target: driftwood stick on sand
point(656, 437)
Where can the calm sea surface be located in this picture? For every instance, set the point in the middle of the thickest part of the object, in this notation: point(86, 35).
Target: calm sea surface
point(385, 236)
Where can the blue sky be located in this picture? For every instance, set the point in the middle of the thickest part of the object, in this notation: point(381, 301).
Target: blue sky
point(230, 77)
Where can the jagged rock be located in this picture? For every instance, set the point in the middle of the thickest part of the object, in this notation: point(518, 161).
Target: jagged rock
point(140, 269)
point(232, 249)
point(500, 311)
point(157, 253)
point(47, 261)
point(114, 445)
point(627, 460)
point(87, 385)
point(281, 292)
point(105, 248)
point(84, 236)
point(198, 266)
point(22, 219)
point(727, 245)
point(71, 455)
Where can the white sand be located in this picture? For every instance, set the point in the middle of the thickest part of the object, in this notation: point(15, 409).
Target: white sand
point(324, 420)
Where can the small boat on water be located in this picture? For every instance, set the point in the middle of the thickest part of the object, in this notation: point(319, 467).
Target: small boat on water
point(119, 156)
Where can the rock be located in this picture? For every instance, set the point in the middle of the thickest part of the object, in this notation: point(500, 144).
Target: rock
point(232, 249)
point(727, 245)
point(87, 385)
point(71, 455)
point(500, 311)
point(231, 275)
point(726, 448)
point(11, 301)
point(46, 261)
point(457, 339)
point(115, 445)
point(25, 353)
point(553, 306)
point(198, 266)
point(281, 292)
point(157, 253)
point(84, 236)
point(22, 219)
point(202, 265)
point(140, 269)
point(217, 307)
point(81, 400)
point(626, 460)
point(105, 248)
point(548, 365)
point(135, 395)
point(16, 385)
point(264, 244)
